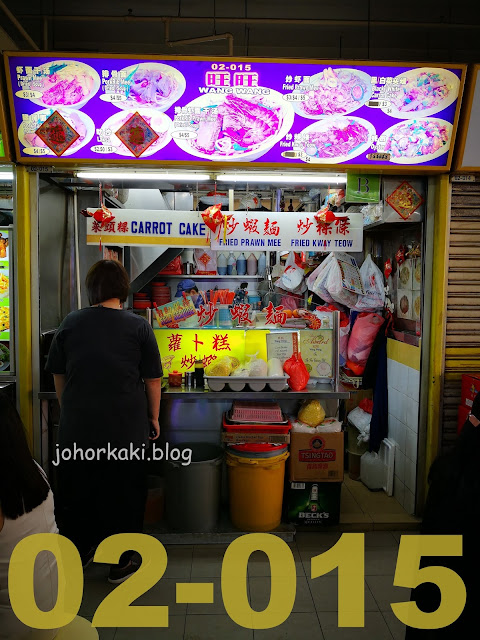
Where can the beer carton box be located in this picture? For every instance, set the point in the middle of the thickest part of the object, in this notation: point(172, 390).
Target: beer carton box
point(313, 503)
point(316, 457)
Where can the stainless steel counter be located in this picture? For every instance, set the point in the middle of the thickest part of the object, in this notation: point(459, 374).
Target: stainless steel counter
point(320, 391)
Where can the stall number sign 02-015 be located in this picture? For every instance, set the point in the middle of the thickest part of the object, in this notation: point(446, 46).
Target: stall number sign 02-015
point(347, 556)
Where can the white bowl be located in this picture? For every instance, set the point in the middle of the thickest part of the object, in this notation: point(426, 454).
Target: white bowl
point(211, 100)
point(159, 122)
point(67, 115)
point(451, 80)
point(155, 67)
point(395, 129)
point(339, 121)
point(70, 69)
point(317, 78)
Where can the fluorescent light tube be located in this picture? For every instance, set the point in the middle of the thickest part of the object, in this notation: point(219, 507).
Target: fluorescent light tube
point(297, 178)
point(124, 175)
point(6, 176)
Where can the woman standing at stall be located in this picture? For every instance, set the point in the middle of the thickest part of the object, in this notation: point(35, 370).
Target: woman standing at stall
point(107, 371)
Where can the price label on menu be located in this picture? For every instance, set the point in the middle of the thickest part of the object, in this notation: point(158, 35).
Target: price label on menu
point(295, 97)
point(187, 134)
point(37, 151)
point(113, 97)
point(103, 148)
point(347, 556)
point(378, 104)
point(379, 156)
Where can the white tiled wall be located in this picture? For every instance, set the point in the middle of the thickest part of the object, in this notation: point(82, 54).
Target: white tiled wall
point(403, 398)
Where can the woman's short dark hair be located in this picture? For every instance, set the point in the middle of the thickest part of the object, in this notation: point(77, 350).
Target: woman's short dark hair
point(107, 279)
point(22, 485)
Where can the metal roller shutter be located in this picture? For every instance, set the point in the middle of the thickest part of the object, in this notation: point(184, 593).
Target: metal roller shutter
point(462, 353)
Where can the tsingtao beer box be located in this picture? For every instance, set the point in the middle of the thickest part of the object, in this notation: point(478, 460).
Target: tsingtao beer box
point(317, 456)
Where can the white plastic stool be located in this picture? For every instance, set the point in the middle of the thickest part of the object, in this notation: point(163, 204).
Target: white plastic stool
point(78, 629)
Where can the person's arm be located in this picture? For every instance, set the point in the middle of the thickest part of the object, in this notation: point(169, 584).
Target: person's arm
point(59, 380)
point(153, 389)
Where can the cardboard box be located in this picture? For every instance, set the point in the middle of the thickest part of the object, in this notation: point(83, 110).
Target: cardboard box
point(463, 412)
point(316, 456)
point(470, 388)
point(311, 503)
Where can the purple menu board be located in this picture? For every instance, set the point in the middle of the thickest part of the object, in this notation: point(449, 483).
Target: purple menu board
point(228, 111)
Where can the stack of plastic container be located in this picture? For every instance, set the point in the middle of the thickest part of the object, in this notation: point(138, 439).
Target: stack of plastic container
point(256, 469)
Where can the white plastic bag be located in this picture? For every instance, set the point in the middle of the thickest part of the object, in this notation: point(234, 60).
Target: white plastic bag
point(372, 280)
point(292, 278)
point(360, 419)
point(205, 261)
point(257, 368)
point(319, 286)
point(275, 368)
point(336, 289)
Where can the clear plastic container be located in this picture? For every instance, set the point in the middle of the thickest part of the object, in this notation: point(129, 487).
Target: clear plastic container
point(224, 316)
point(372, 471)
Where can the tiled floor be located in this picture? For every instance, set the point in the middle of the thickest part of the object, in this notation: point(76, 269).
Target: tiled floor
point(314, 613)
point(364, 510)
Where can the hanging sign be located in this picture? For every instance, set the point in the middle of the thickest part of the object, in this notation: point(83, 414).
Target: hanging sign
point(93, 108)
point(286, 231)
point(133, 227)
point(362, 188)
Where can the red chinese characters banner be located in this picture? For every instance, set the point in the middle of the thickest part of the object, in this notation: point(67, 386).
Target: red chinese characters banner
point(286, 231)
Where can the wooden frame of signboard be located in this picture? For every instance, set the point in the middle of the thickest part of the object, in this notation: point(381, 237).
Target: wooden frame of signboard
point(216, 166)
point(464, 124)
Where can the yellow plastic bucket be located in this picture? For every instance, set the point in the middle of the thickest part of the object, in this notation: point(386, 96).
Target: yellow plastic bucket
point(256, 491)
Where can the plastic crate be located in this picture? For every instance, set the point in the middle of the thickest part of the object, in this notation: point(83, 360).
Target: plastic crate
point(255, 428)
point(256, 411)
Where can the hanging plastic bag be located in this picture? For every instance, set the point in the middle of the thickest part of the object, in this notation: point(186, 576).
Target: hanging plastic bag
point(319, 287)
point(312, 413)
point(362, 337)
point(292, 278)
point(372, 280)
point(336, 282)
point(296, 369)
point(344, 332)
point(206, 262)
point(173, 268)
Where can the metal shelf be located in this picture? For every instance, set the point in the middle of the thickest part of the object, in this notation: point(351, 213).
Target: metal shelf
point(321, 391)
point(194, 276)
point(325, 391)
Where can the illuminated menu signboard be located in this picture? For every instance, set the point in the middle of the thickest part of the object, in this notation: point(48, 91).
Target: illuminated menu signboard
point(284, 113)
